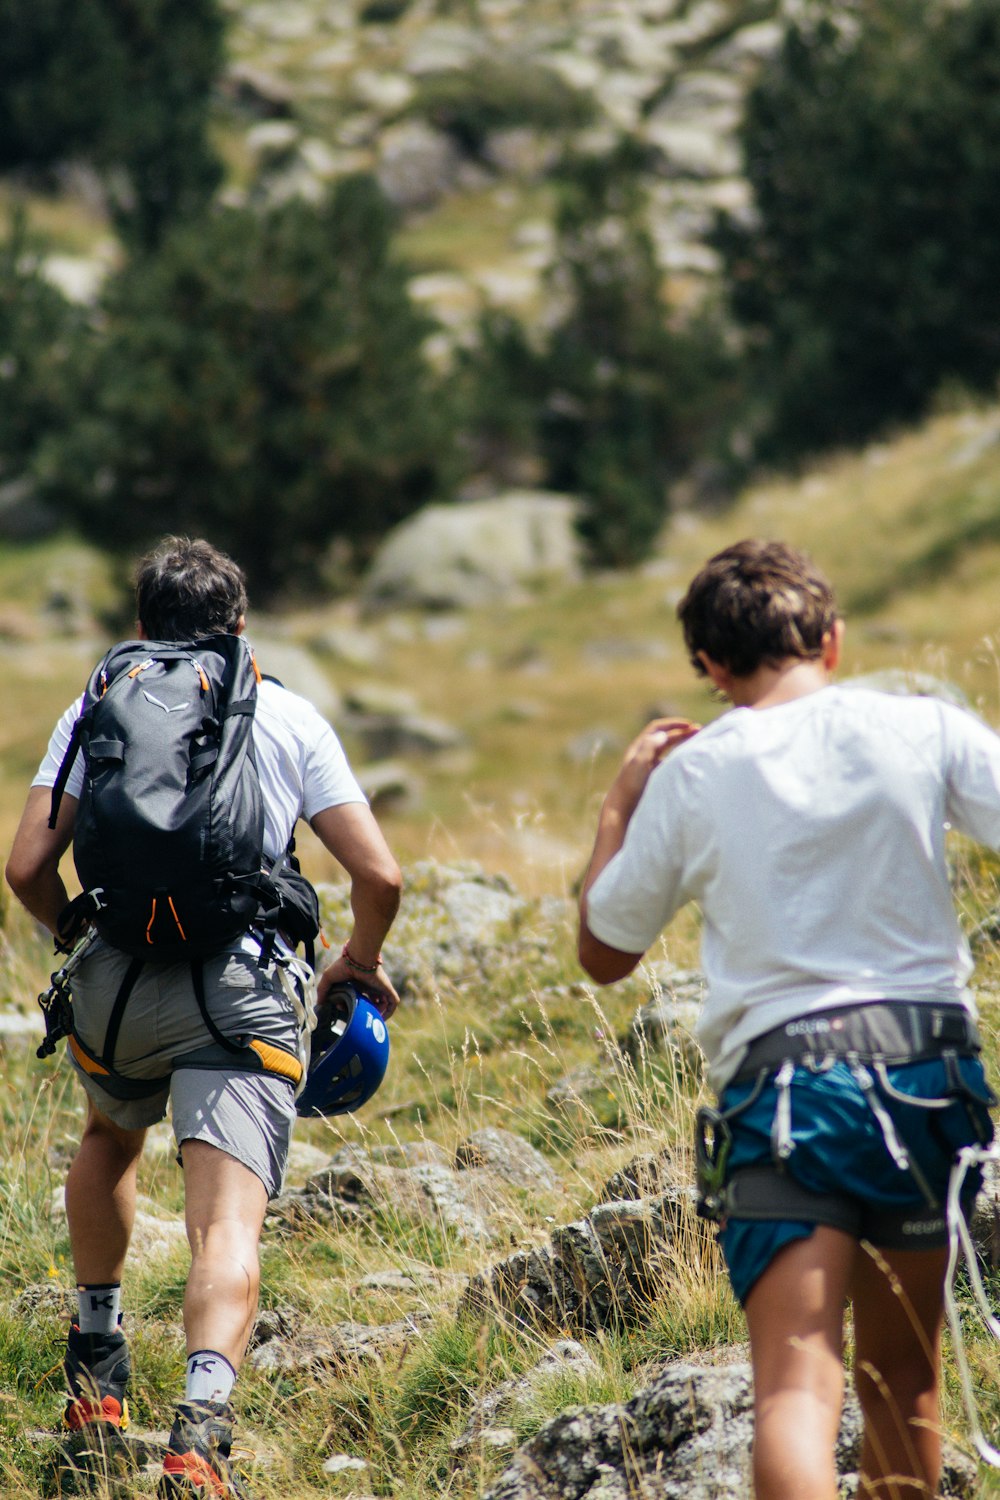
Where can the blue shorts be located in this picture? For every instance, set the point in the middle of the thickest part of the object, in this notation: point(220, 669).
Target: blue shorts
point(840, 1150)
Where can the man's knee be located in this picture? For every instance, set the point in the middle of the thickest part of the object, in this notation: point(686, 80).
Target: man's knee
point(99, 1127)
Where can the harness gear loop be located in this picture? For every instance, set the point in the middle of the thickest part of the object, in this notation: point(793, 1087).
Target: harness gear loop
point(782, 1144)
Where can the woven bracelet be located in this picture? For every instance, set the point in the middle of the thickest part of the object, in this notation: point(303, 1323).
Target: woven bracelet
point(361, 968)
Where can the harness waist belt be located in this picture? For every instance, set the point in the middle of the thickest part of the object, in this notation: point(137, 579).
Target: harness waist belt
point(892, 1031)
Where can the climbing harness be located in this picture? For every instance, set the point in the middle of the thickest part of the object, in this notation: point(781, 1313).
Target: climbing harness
point(960, 1242)
point(869, 1038)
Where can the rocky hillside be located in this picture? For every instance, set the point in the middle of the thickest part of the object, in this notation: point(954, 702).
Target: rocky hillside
point(463, 108)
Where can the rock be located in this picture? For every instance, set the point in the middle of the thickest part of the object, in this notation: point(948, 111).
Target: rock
point(257, 91)
point(642, 1177)
point(379, 699)
point(385, 736)
point(44, 1300)
point(456, 924)
point(298, 670)
point(603, 1271)
point(354, 1187)
point(273, 141)
point(664, 1027)
point(78, 277)
point(477, 913)
point(442, 47)
point(355, 648)
point(588, 1094)
point(389, 786)
point(520, 152)
point(304, 1159)
point(344, 1347)
point(686, 1436)
point(510, 1157)
point(16, 1023)
point(153, 1234)
point(481, 1430)
point(482, 552)
point(343, 1463)
point(693, 148)
point(417, 165)
point(386, 92)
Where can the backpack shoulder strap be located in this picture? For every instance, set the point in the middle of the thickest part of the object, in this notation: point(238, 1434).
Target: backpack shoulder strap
point(63, 774)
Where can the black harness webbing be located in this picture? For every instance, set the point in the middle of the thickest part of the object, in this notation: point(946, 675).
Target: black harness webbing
point(118, 1010)
point(870, 1038)
point(242, 1054)
point(220, 1039)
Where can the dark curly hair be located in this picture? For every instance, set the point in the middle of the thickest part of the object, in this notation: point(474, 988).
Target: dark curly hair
point(756, 604)
point(186, 588)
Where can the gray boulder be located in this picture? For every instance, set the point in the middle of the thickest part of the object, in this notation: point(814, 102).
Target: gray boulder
point(510, 1156)
point(686, 1436)
point(355, 1187)
point(389, 786)
point(483, 552)
point(603, 1271)
point(297, 669)
point(456, 924)
point(344, 1347)
point(484, 1428)
point(417, 165)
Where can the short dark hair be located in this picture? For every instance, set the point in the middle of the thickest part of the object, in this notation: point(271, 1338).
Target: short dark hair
point(756, 604)
point(186, 588)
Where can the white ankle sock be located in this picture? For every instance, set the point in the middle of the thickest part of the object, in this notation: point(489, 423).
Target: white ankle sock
point(99, 1307)
point(209, 1376)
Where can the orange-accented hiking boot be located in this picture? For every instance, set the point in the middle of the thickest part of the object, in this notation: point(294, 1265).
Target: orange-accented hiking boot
point(197, 1461)
point(97, 1368)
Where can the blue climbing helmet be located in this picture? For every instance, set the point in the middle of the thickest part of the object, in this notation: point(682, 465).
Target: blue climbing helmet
point(350, 1053)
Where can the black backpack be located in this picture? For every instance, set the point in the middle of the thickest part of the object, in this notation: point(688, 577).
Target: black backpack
point(169, 830)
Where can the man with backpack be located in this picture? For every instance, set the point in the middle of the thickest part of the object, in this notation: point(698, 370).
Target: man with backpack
point(181, 809)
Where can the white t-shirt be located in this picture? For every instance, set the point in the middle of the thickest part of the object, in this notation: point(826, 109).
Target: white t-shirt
point(300, 762)
point(812, 836)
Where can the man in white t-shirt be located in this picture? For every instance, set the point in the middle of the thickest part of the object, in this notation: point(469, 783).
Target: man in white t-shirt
point(808, 823)
point(233, 1127)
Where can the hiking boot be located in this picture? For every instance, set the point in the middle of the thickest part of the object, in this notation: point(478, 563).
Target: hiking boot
point(97, 1367)
point(94, 1453)
point(197, 1461)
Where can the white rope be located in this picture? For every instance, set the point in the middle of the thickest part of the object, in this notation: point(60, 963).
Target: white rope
point(959, 1238)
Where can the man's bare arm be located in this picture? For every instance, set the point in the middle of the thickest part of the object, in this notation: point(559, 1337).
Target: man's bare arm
point(599, 960)
point(355, 840)
point(33, 866)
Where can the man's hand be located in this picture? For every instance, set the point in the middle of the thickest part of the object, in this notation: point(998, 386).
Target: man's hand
point(643, 756)
point(378, 986)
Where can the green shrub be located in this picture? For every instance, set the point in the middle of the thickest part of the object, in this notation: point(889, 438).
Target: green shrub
point(868, 275)
point(493, 94)
point(41, 334)
point(260, 379)
point(383, 12)
point(125, 87)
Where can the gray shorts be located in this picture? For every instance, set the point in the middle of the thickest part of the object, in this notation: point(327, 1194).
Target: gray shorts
point(247, 1115)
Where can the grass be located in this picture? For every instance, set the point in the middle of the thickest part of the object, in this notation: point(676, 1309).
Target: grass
point(523, 684)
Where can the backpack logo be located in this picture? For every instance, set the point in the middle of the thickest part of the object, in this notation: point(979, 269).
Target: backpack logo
point(166, 708)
